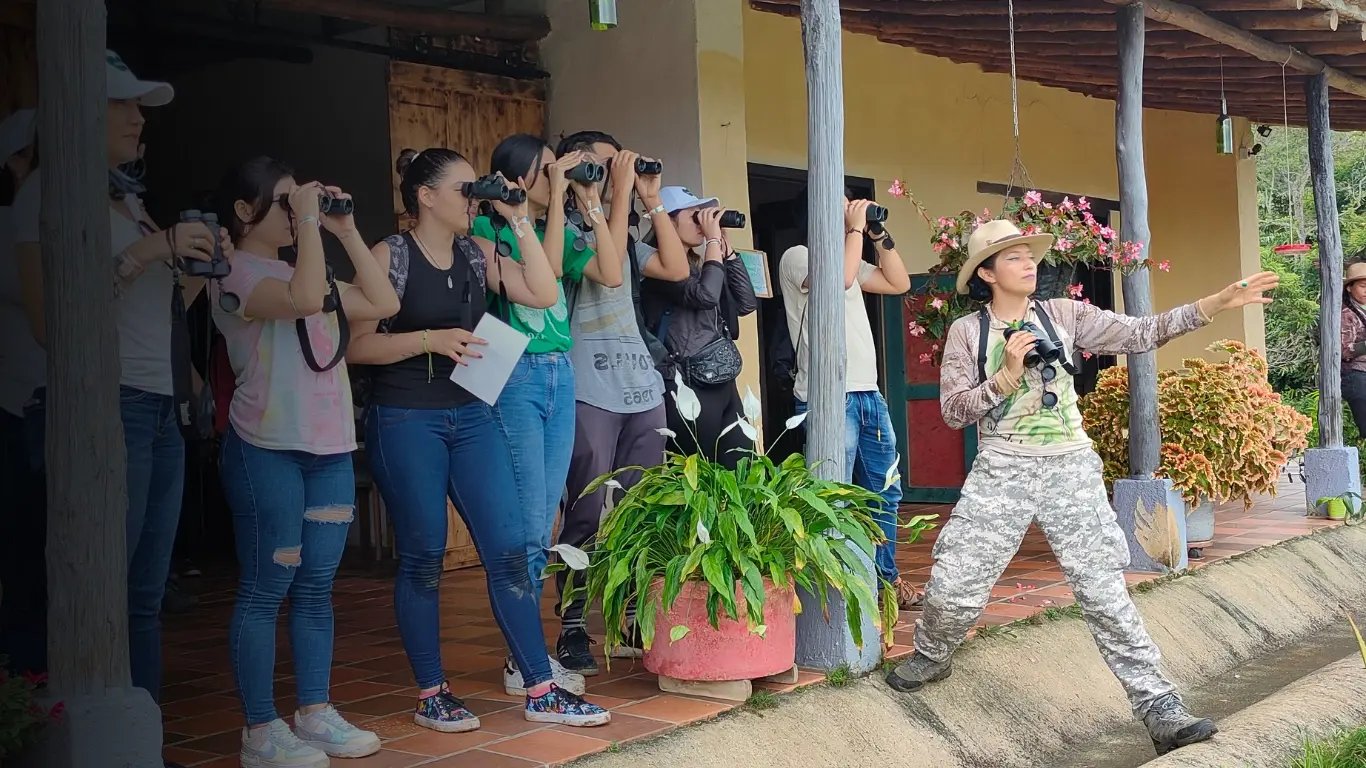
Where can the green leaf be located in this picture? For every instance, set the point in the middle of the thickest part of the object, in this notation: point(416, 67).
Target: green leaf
point(690, 471)
point(678, 633)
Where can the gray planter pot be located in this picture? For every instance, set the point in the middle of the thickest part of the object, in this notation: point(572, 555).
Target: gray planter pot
point(1200, 526)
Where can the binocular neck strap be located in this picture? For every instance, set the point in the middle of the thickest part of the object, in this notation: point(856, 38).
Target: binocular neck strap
point(1052, 332)
point(343, 331)
point(983, 339)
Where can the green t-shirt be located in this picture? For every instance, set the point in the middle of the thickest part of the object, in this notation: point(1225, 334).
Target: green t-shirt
point(548, 329)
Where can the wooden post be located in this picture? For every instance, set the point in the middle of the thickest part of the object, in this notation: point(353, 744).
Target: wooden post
point(87, 497)
point(825, 241)
point(1144, 431)
point(1330, 261)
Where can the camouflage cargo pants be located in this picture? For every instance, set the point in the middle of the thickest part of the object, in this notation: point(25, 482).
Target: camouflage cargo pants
point(1066, 494)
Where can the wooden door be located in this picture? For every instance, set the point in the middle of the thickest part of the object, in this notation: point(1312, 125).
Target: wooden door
point(469, 113)
point(935, 458)
point(464, 111)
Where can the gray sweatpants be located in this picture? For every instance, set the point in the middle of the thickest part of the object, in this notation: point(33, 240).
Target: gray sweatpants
point(603, 441)
point(1066, 494)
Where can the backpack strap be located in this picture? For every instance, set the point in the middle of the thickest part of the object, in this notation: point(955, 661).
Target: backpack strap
point(983, 338)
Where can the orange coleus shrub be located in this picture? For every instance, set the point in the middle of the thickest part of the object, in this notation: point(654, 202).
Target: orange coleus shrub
point(1225, 432)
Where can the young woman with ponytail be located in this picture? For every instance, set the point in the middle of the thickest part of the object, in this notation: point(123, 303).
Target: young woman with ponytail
point(286, 458)
point(430, 439)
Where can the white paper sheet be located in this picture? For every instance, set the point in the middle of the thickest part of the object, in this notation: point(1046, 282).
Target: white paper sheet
point(486, 376)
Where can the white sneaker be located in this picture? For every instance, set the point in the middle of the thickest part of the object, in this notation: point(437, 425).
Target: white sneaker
point(569, 681)
point(327, 730)
point(275, 746)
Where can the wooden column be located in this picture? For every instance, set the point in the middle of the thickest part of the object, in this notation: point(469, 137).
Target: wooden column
point(1330, 261)
point(1144, 432)
point(825, 241)
point(86, 489)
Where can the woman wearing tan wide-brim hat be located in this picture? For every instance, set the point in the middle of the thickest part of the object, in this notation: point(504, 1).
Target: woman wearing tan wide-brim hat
point(1354, 340)
point(1008, 370)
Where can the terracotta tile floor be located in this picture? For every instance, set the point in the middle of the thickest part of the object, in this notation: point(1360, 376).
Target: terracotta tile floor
point(372, 684)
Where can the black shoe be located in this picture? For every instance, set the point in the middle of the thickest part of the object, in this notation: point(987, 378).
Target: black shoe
point(1172, 726)
point(177, 600)
point(574, 653)
point(917, 672)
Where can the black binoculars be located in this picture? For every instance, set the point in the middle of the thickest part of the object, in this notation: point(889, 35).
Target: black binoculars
point(649, 167)
point(335, 206)
point(218, 267)
point(876, 214)
point(493, 187)
point(589, 172)
point(732, 220)
point(1044, 351)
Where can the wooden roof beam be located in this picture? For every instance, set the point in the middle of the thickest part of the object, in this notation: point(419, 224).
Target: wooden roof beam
point(1186, 17)
point(1344, 9)
point(1282, 20)
point(425, 20)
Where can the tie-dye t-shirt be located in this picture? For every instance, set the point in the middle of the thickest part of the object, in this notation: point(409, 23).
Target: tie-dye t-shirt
point(280, 403)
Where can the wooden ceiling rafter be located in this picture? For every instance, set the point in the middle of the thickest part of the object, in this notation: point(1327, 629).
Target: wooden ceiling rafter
point(422, 19)
point(1072, 44)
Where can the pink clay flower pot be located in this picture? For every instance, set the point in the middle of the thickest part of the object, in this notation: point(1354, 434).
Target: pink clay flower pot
point(730, 652)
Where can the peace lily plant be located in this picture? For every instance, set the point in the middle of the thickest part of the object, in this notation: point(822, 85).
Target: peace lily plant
point(693, 520)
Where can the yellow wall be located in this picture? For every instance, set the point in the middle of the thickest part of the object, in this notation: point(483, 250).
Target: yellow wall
point(943, 127)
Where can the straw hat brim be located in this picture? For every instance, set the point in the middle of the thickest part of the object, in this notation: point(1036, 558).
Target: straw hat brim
point(1038, 244)
point(1355, 273)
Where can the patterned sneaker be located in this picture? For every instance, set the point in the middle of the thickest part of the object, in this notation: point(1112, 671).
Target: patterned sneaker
point(327, 730)
point(632, 646)
point(570, 681)
point(574, 653)
point(275, 746)
point(443, 712)
point(1172, 726)
point(562, 707)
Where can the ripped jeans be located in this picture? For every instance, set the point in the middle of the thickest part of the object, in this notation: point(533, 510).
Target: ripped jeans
point(291, 511)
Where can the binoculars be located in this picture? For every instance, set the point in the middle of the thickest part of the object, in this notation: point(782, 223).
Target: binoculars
point(1044, 351)
point(335, 206)
point(492, 187)
point(877, 214)
point(649, 167)
point(218, 267)
point(732, 220)
point(588, 172)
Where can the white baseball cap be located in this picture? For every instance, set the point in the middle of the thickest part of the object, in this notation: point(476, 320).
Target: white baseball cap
point(123, 85)
point(17, 133)
point(677, 199)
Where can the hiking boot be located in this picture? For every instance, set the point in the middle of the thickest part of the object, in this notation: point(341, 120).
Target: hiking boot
point(907, 596)
point(632, 646)
point(443, 712)
point(573, 652)
point(1171, 725)
point(327, 730)
point(514, 686)
point(562, 707)
point(918, 671)
point(275, 746)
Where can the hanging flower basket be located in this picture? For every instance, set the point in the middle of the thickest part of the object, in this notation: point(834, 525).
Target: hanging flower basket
point(1079, 240)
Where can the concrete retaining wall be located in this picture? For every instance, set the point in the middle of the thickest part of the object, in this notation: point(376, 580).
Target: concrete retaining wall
point(1012, 699)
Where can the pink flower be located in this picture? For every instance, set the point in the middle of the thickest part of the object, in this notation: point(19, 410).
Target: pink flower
point(1067, 204)
point(897, 189)
point(1107, 233)
point(1074, 290)
point(1033, 198)
point(916, 329)
point(1165, 266)
point(1083, 204)
point(1103, 248)
point(1087, 355)
point(937, 303)
point(1085, 301)
point(1063, 245)
point(1031, 230)
point(941, 247)
point(935, 347)
point(926, 358)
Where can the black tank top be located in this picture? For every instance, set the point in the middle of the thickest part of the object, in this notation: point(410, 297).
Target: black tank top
point(433, 299)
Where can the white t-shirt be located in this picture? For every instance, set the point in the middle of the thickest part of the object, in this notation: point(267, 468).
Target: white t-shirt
point(23, 364)
point(860, 353)
point(142, 311)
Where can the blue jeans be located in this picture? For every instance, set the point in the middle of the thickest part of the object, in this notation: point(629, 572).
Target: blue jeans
point(290, 514)
point(419, 457)
point(869, 451)
point(535, 417)
point(156, 479)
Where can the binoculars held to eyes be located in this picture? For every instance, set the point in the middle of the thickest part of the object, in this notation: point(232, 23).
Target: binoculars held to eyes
point(335, 206)
point(729, 219)
point(649, 167)
point(588, 172)
point(1044, 351)
point(492, 187)
point(876, 214)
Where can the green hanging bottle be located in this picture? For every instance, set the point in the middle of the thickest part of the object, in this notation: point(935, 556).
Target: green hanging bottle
point(602, 14)
point(1224, 137)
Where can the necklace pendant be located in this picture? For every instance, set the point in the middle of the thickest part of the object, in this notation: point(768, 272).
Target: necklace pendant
point(450, 283)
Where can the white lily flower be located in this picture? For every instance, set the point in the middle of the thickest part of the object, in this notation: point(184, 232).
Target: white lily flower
point(893, 473)
point(703, 535)
point(689, 407)
point(575, 558)
point(754, 410)
point(748, 429)
point(666, 432)
point(796, 421)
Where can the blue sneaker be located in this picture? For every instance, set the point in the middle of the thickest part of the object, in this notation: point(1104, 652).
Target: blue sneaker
point(443, 712)
point(564, 708)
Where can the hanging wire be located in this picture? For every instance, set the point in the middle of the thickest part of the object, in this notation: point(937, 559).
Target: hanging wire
point(1017, 166)
point(1285, 123)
